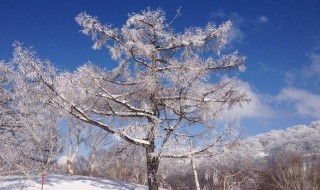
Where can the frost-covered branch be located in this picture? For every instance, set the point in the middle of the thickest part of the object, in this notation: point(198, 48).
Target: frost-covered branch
point(166, 89)
point(82, 116)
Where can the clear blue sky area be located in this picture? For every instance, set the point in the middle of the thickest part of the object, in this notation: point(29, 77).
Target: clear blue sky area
point(281, 40)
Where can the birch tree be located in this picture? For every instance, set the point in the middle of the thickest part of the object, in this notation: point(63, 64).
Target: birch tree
point(74, 138)
point(168, 86)
point(96, 139)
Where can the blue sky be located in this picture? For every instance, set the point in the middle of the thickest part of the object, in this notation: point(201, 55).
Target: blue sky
point(281, 40)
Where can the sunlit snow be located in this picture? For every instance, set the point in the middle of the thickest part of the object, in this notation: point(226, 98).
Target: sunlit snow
point(60, 182)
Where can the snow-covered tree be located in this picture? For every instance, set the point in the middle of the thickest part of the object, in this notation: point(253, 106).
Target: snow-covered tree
point(299, 138)
point(288, 159)
point(29, 139)
point(7, 112)
point(167, 88)
point(8, 117)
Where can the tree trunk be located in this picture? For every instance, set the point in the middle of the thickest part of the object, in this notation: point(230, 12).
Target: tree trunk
point(195, 173)
point(69, 167)
point(93, 154)
point(152, 168)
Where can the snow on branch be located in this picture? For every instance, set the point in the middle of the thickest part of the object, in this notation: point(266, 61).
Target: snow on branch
point(167, 89)
point(100, 33)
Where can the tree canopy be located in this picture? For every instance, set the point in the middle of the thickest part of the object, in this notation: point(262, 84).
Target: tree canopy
point(166, 91)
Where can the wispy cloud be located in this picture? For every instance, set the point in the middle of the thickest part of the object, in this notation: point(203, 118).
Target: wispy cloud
point(235, 35)
point(306, 76)
point(263, 19)
point(220, 14)
point(302, 102)
point(314, 69)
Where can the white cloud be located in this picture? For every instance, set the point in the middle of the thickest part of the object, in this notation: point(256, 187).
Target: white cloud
point(305, 103)
point(256, 108)
point(263, 19)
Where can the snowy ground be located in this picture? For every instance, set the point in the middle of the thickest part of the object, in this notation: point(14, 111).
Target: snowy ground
point(60, 182)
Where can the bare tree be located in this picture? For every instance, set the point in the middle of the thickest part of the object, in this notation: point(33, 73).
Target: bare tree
point(75, 137)
point(168, 87)
point(96, 139)
point(121, 162)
